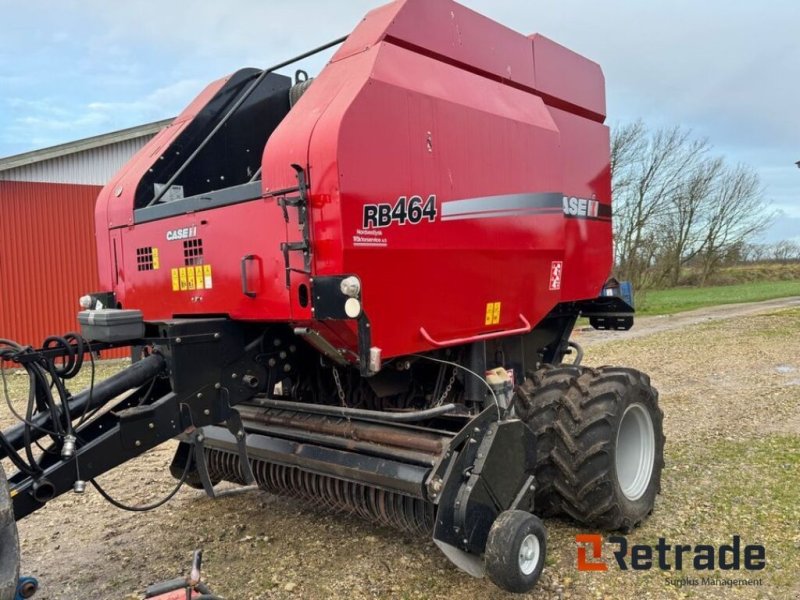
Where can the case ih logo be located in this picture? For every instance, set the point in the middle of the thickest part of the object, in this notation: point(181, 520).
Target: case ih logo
point(580, 207)
point(666, 557)
point(181, 234)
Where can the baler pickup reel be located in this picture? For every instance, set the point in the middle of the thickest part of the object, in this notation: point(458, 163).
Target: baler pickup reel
point(437, 471)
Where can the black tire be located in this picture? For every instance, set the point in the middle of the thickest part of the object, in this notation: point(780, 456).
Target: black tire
point(9, 543)
point(515, 551)
point(537, 402)
point(605, 479)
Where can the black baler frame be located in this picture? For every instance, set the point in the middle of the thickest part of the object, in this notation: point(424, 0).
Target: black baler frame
point(192, 376)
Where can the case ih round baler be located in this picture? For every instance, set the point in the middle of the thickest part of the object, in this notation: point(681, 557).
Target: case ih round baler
point(358, 290)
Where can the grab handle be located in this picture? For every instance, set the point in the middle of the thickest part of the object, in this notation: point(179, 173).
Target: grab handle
point(245, 290)
point(526, 327)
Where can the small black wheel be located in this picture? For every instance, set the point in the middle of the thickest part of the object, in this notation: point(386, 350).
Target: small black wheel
point(515, 551)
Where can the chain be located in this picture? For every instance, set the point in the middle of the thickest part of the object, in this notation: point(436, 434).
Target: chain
point(339, 388)
point(448, 387)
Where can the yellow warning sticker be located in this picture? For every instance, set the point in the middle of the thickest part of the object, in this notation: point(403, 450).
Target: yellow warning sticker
point(156, 262)
point(492, 313)
point(198, 277)
point(207, 276)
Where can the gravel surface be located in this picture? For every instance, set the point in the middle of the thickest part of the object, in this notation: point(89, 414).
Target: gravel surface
point(730, 390)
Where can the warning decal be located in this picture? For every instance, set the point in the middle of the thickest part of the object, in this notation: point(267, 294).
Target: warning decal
point(492, 313)
point(190, 278)
point(555, 275)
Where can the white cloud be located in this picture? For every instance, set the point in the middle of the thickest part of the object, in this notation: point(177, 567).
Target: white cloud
point(169, 99)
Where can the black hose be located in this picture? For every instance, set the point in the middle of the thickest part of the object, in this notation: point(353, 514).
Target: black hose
point(146, 507)
point(375, 415)
point(134, 376)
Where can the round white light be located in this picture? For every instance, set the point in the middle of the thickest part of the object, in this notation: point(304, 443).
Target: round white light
point(85, 302)
point(352, 308)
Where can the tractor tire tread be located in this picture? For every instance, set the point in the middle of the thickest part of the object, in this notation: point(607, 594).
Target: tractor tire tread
point(583, 454)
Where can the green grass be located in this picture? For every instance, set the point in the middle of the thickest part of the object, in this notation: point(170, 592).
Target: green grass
point(752, 489)
point(664, 302)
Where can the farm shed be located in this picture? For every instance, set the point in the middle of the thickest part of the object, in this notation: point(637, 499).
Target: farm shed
point(47, 248)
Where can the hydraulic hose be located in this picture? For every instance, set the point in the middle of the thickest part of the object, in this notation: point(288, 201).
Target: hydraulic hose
point(134, 376)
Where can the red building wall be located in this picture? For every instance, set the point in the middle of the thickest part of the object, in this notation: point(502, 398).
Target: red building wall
point(47, 258)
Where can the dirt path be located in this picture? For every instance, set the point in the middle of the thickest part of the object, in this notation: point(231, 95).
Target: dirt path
point(730, 391)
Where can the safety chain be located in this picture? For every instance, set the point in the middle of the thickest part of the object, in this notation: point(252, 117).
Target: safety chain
point(339, 389)
point(448, 387)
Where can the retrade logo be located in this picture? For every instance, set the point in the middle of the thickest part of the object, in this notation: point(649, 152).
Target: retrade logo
point(594, 542)
point(667, 557)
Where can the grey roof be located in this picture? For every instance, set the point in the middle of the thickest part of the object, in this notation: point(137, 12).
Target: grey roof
point(97, 141)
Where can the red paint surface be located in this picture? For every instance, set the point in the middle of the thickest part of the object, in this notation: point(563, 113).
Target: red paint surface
point(47, 259)
point(426, 97)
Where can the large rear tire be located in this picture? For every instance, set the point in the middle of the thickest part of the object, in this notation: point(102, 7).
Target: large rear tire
point(536, 402)
point(609, 448)
point(9, 543)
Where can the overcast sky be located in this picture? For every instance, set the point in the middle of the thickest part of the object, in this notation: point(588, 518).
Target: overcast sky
point(730, 70)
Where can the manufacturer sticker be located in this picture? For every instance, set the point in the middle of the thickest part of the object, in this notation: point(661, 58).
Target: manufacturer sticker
point(413, 210)
point(183, 233)
point(580, 207)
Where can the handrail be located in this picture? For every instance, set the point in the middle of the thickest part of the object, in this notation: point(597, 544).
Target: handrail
point(234, 108)
point(477, 338)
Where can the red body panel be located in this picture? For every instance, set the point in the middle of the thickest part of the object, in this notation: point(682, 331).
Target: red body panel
point(425, 98)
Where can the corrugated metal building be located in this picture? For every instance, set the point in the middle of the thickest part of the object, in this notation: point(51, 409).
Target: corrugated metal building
point(47, 250)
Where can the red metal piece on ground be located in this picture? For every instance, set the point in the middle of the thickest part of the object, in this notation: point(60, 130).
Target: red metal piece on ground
point(175, 595)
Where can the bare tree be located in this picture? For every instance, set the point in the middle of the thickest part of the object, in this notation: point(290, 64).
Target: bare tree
point(675, 203)
point(680, 231)
point(648, 171)
point(784, 251)
point(736, 213)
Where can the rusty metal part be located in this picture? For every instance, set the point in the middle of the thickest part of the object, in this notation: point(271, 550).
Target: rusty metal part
point(422, 441)
point(412, 416)
point(392, 509)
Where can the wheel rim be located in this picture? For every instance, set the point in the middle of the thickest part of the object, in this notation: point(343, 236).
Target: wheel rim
point(529, 552)
point(636, 451)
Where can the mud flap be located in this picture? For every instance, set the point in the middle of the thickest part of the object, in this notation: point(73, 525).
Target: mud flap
point(9, 543)
point(487, 469)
